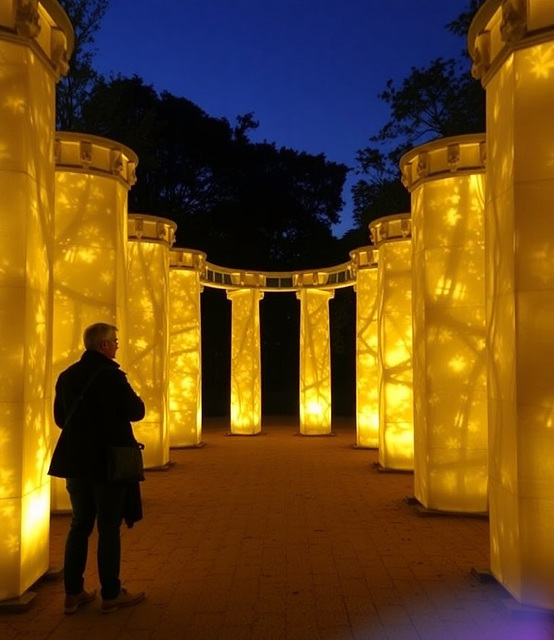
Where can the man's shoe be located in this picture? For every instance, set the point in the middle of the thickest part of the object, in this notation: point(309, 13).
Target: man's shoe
point(124, 599)
point(73, 602)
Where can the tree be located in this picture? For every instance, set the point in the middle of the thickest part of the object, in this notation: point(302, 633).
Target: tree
point(73, 89)
point(436, 101)
point(249, 205)
point(278, 208)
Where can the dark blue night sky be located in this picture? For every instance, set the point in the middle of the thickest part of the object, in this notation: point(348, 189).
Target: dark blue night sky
point(310, 70)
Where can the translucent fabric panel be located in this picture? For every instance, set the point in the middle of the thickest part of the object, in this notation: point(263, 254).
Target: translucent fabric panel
point(185, 359)
point(533, 200)
point(246, 381)
point(26, 239)
point(452, 211)
point(449, 342)
point(396, 434)
point(533, 125)
point(90, 264)
point(367, 363)
point(520, 315)
point(315, 362)
point(147, 338)
point(25, 537)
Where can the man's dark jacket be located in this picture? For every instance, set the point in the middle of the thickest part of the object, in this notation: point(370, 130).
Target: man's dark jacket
point(102, 417)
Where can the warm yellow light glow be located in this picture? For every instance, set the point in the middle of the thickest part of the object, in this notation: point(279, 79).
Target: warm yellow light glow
point(517, 75)
point(90, 251)
point(315, 389)
point(450, 392)
point(246, 386)
point(150, 239)
point(28, 70)
point(315, 362)
point(367, 355)
point(185, 357)
point(69, 262)
point(396, 433)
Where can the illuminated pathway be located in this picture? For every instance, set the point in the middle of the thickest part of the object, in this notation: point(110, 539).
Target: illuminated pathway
point(286, 538)
point(454, 315)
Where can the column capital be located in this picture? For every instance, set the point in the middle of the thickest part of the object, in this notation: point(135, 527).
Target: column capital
point(446, 156)
point(502, 26)
point(391, 228)
point(145, 228)
point(187, 259)
point(94, 154)
point(44, 26)
point(235, 293)
point(364, 257)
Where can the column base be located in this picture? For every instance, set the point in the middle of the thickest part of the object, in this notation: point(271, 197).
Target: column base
point(25, 601)
point(162, 467)
point(316, 435)
point(18, 605)
point(246, 435)
point(382, 469)
point(516, 610)
point(430, 513)
point(189, 446)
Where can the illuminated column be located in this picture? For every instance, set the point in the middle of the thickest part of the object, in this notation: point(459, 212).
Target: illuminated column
point(93, 176)
point(35, 42)
point(446, 180)
point(392, 236)
point(150, 239)
point(315, 362)
point(365, 260)
point(246, 385)
point(512, 44)
point(185, 355)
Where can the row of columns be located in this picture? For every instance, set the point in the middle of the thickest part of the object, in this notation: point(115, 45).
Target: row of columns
point(512, 46)
point(315, 362)
point(36, 40)
point(458, 335)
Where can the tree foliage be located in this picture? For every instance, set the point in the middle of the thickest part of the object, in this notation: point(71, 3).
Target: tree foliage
point(72, 90)
point(246, 204)
point(258, 206)
point(436, 101)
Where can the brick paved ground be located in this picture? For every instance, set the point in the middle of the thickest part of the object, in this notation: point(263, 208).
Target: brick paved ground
point(281, 537)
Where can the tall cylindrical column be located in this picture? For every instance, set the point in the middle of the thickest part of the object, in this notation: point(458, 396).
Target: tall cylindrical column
point(185, 353)
point(150, 239)
point(93, 177)
point(315, 362)
point(246, 370)
point(512, 44)
point(35, 42)
point(365, 260)
point(446, 179)
point(392, 236)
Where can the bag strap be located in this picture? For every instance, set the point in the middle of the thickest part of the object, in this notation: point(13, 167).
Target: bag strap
point(80, 397)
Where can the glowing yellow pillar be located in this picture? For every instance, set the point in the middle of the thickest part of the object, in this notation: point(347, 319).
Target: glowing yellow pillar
point(315, 362)
point(446, 180)
point(150, 239)
point(365, 260)
point(246, 384)
point(185, 356)
point(93, 176)
point(512, 44)
point(392, 236)
point(35, 41)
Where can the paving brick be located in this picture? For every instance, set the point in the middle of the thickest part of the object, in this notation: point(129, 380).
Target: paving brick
point(285, 538)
